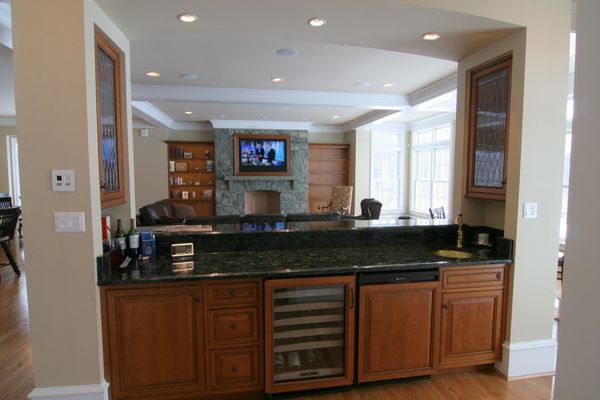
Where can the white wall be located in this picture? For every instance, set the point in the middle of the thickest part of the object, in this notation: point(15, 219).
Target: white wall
point(579, 328)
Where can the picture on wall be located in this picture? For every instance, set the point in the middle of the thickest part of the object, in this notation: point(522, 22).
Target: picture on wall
point(262, 154)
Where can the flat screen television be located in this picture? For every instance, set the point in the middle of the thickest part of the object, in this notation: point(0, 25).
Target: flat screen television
point(262, 154)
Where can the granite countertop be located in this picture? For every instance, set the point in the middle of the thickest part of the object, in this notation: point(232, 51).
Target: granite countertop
point(298, 263)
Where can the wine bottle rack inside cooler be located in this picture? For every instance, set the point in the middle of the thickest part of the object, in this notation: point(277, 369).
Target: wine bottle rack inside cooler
point(308, 332)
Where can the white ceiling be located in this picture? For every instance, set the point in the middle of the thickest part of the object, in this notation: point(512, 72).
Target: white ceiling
point(232, 48)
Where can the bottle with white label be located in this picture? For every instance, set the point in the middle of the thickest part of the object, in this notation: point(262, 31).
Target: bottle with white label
point(133, 241)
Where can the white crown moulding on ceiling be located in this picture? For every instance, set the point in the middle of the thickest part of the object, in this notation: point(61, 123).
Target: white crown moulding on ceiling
point(268, 96)
point(251, 124)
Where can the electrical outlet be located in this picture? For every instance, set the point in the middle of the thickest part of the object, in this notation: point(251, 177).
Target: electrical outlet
point(530, 210)
point(69, 222)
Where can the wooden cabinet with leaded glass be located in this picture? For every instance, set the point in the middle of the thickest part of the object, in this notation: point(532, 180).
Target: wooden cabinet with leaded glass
point(489, 109)
point(110, 121)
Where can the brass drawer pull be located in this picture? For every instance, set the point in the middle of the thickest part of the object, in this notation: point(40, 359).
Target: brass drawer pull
point(233, 327)
point(234, 369)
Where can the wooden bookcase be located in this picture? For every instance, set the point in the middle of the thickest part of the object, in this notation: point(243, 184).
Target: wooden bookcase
point(328, 166)
point(191, 169)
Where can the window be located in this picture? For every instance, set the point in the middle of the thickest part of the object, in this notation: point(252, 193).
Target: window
point(387, 170)
point(431, 166)
point(565, 188)
point(13, 173)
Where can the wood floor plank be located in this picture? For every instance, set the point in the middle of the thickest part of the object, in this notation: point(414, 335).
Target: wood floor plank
point(16, 373)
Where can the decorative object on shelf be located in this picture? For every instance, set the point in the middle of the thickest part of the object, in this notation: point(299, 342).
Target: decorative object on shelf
point(171, 166)
point(184, 195)
point(489, 115)
point(207, 193)
point(209, 165)
point(188, 154)
point(181, 167)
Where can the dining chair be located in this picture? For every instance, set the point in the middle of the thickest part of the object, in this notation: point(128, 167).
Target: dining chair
point(8, 223)
point(437, 213)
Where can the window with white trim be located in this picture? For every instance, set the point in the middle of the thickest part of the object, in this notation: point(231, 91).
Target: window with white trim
point(565, 188)
point(431, 168)
point(387, 170)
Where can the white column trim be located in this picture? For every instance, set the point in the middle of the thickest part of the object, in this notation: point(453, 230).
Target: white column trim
point(530, 358)
point(82, 392)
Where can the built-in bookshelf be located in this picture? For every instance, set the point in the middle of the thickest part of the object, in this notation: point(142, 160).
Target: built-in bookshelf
point(191, 169)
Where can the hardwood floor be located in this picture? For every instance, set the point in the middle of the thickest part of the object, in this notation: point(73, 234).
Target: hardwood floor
point(480, 384)
point(16, 376)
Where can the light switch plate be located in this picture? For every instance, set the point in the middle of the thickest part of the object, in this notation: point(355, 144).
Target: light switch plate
point(69, 222)
point(530, 210)
point(63, 180)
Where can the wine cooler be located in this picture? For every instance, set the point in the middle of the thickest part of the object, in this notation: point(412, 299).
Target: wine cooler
point(309, 332)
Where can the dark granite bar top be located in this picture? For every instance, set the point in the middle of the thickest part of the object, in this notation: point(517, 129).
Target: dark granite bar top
point(308, 249)
point(298, 263)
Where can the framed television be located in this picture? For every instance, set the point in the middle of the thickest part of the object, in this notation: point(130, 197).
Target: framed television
point(262, 155)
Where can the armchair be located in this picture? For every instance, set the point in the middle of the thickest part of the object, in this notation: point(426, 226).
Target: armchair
point(341, 200)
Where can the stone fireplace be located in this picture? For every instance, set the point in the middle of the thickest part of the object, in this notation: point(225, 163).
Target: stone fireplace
point(231, 191)
point(262, 202)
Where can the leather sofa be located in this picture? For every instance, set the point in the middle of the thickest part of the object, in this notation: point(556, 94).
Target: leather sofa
point(165, 212)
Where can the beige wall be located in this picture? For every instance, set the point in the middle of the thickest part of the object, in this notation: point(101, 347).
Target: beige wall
point(579, 329)
point(533, 175)
point(150, 160)
point(4, 177)
point(55, 95)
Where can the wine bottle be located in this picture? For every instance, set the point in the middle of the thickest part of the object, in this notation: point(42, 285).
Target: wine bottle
point(119, 232)
point(133, 241)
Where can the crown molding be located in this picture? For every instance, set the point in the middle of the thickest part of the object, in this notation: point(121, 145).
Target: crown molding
point(250, 124)
point(321, 128)
point(267, 96)
point(368, 119)
point(434, 90)
point(154, 116)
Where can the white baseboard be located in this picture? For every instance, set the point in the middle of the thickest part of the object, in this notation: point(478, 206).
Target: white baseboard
point(521, 359)
point(83, 392)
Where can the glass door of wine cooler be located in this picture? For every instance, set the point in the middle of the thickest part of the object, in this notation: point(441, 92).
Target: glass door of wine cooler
point(310, 324)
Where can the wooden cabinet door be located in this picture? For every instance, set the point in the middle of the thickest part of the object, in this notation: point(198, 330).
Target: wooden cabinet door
point(155, 339)
point(397, 326)
point(309, 333)
point(471, 328)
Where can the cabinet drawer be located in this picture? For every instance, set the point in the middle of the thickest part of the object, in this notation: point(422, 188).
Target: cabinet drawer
point(465, 278)
point(235, 368)
point(233, 326)
point(232, 293)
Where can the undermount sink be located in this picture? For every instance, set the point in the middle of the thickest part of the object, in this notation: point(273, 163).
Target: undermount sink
point(453, 254)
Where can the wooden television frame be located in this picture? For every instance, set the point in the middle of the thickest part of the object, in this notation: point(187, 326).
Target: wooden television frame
point(237, 156)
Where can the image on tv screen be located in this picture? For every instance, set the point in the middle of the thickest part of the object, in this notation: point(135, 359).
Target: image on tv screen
point(262, 155)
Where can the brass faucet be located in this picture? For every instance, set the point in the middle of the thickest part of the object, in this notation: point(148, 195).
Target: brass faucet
point(459, 233)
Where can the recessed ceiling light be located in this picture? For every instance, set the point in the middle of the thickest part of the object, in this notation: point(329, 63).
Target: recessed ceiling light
point(288, 52)
point(264, 117)
point(153, 74)
point(188, 76)
point(187, 17)
point(362, 84)
point(188, 113)
point(304, 118)
point(431, 36)
point(277, 79)
point(317, 22)
point(335, 117)
point(389, 84)
point(221, 116)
